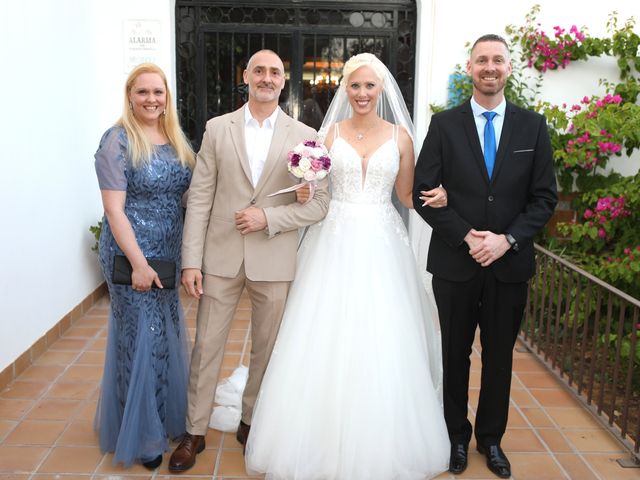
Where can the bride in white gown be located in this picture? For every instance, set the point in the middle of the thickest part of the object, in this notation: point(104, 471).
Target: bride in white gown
point(353, 390)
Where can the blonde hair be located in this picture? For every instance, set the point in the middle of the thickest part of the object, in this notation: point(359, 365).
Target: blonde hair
point(139, 146)
point(363, 60)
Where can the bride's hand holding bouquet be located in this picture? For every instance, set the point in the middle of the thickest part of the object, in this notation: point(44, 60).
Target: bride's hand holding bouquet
point(309, 161)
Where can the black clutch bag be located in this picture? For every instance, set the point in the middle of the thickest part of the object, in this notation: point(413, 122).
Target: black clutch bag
point(165, 269)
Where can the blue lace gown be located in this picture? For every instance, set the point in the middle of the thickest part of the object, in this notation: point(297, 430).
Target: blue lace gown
point(144, 387)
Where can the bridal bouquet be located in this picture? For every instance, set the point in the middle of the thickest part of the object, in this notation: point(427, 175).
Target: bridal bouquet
point(308, 161)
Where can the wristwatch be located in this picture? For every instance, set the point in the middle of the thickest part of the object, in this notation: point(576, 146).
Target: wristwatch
point(512, 242)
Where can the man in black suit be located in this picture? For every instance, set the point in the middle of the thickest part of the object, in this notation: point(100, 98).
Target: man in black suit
point(495, 162)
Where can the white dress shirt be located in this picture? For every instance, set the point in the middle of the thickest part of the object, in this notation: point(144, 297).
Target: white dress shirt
point(257, 141)
point(481, 120)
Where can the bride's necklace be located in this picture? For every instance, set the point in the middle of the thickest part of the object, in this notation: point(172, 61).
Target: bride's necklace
point(360, 135)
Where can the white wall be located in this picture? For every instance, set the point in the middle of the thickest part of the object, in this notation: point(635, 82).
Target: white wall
point(61, 86)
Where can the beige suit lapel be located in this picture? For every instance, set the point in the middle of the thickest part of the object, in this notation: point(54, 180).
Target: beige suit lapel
point(276, 153)
point(236, 129)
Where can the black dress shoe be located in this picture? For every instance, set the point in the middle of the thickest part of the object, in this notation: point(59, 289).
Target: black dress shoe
point(459, 457)
point(497, 461)
point(153, 464)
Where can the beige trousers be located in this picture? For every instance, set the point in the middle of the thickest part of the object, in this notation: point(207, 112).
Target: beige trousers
point(215, 313)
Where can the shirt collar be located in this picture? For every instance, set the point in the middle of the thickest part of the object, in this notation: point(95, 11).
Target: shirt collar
point(269, 122)
point(478, 109)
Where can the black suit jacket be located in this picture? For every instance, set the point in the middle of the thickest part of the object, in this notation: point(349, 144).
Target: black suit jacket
point(519, 199)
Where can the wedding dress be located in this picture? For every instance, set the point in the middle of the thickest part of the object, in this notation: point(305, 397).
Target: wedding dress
point(353, 390)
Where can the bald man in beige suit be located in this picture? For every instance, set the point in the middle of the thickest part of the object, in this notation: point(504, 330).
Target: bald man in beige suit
point(237, 237)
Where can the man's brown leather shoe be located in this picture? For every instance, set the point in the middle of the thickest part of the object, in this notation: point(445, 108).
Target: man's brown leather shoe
point(184, 457)
point(242, 435)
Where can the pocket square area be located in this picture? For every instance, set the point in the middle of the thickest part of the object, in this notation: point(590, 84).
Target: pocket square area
point(524, 150)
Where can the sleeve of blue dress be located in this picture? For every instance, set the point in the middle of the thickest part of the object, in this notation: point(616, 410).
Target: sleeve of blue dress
point(111, 161)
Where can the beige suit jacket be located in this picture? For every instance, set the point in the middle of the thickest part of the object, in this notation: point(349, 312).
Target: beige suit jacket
point(221, 185)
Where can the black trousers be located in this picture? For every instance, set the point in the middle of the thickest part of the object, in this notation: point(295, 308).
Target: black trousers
point(497, 307)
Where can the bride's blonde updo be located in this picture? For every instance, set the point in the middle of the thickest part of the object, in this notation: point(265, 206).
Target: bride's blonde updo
point(362, 60)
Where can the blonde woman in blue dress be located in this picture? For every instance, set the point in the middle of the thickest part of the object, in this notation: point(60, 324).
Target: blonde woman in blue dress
point(353, 390)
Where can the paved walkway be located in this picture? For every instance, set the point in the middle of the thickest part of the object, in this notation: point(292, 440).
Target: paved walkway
point(46, 418)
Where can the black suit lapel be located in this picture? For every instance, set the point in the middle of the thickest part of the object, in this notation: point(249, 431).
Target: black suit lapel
point(507, 128)
point(474, 142)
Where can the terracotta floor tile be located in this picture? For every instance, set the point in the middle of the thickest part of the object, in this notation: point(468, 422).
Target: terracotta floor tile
point(237, 335)
point(88, 412)
point(539, 380)
point(234, 347)
point(36, 432)
point(474, 378)
point(205, 464)
point(89, 320)
point(20, 459)
point(609, 469)
point(57, 476)
point(596, 441)
point(515, 419)
point(82, 373)
point(474, 395)
point(521, 440)
point(528, 365)
point(213, 438)
point(73, 390)
point(534, 466)
point(28, 390)
point(107, 467)
point(5, 427)
point(79, 433)
point(55, 357)
point(54, 409)
point(14, 408)
point(71, 460)
point(47, 373)
point(244, 477)
point(90, 358)
point(537, 417)
point(445, 475)
point(575, 466)
point(137, 476)
point(574, 417)
point(523, 398)
point(516, 384)
point(97, 345)
point(18, 476)
point(69, 344)
point(232, 463)
point(176, 476)
point(229, 442)
point(240, 324)
point(555, 440)
point(78, 331)
point(231, 360)
point(553, 397)
point(242, 314)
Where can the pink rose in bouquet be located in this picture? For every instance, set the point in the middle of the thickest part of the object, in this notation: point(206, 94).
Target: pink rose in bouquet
point(310, 161)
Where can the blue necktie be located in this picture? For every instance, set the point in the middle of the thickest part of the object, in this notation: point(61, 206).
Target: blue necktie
point(489, 142)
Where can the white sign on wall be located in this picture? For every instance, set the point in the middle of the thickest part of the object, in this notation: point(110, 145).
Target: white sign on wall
point(141, 42)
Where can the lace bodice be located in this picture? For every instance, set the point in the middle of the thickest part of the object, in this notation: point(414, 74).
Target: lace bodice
point(363, 201)
point(349, 184)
